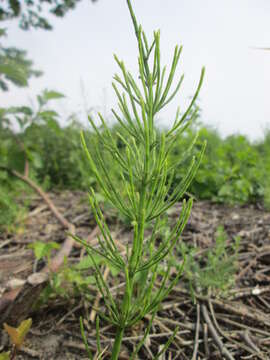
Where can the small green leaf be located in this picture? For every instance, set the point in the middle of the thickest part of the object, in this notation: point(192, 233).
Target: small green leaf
point(114, 271)
point(3, 32)
point(86, 262)
point(4, 356)
point(37, 160)
point(42, 250)
point(14, 73)
point(26, 110)
point(16, 159)
point(48, 114)
point(90, 280)
point(52, 95)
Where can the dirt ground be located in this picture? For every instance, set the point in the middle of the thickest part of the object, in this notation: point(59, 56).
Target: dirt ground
point(234, 325)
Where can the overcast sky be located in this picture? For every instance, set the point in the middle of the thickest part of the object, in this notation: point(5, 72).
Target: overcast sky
point(77, 57)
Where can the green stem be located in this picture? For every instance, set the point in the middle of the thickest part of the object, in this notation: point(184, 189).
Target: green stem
point(117, 343)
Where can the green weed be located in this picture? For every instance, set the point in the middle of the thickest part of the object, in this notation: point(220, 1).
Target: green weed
point(140, 191)
point(215, 270)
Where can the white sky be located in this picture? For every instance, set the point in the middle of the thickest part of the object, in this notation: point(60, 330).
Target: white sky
point(77, 57)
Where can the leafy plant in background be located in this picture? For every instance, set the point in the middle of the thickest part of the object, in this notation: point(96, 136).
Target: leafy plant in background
point(241, 170)
point(233, 170)
point(40, 130)
point(145, 174)
point(10, 188)
point(63, 167)
point(43, 250)
point(15, 67)
point(30, 13)
point(263, 167)
point(216, 269)
point(10, 211)
point(17, 152)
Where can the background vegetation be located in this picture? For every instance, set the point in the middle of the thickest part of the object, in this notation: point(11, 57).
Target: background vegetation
point(233, 170)
point(36, 149)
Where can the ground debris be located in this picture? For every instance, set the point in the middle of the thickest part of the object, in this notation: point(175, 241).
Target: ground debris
point(238, 325)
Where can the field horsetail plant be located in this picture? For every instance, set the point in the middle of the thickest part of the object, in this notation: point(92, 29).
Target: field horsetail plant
point(145, 175)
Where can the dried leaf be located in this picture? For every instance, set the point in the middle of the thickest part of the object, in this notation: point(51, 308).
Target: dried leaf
point(18, 334)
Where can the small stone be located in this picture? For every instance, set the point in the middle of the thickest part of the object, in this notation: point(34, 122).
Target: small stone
point(256, 291)
point(235, 216)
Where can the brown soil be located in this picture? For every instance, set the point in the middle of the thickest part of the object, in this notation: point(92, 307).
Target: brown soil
point(235, 323)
